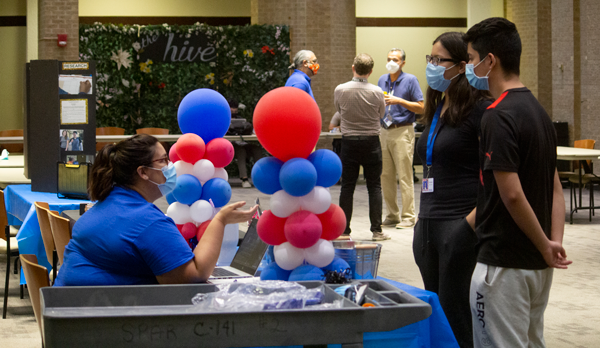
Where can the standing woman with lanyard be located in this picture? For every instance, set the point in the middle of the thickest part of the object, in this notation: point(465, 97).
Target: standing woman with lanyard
point(444, 240)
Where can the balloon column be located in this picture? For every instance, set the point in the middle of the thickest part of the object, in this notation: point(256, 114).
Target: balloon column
point(200, 156)
point(302, 220)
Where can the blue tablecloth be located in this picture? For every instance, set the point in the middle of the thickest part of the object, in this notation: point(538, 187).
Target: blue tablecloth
point(21, 211)
point(433, 332)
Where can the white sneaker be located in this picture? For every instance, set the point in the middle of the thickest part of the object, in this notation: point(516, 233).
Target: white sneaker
point(405, 224)
point(378, 236)
point(246, 184)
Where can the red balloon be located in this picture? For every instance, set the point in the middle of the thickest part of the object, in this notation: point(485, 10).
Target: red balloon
point(187, 230)
point(220, 152)
point(202, 229)
point(270, 228)
point(287, 122)
point(303, 229)
point(190, 148)
point(333, 221)
point(173, 153)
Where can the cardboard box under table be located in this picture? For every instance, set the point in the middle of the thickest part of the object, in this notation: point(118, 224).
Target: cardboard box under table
point(163, 316)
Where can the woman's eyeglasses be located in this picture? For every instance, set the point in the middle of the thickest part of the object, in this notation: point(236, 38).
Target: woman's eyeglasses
point(436, 60)
point(164, 160)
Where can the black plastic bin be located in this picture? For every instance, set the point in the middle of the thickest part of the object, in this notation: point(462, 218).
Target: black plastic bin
point(163, 316)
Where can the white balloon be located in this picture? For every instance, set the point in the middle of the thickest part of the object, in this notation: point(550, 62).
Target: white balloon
point(288, 256)
point(316, 201)
point(182, 167)
point(203, 170)
point(201, 211)
point(179, 212)
point(221, 173)
point(283, 204)
point(320, 254)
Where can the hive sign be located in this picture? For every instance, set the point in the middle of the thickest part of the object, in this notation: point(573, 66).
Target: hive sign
point(173, 48)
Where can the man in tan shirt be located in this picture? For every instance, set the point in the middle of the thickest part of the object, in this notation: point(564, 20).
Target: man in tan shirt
point(361, 106)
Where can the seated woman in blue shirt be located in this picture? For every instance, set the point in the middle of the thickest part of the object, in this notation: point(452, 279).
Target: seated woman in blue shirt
point(125, 239)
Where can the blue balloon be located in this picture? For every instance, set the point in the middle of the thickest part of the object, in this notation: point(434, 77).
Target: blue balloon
point(204, 112)
point(170, 198)
point(338, 264)
point(328, 166)
point(218, 190)
point(306, 272)
point(188, 189)
point(265, 175)
point(298, 177)
point(274, 272)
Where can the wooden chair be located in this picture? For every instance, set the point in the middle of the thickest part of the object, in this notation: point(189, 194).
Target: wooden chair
point(42, 211)
point(8, 247)
point(107, 131)
point(12, 148)
point(587, 176)
point(61, 232)
point(37, 278)
point(152, 131)
point(4, 217)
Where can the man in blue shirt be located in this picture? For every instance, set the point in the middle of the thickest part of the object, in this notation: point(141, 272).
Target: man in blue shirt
point(305, 65)
point(403, 99)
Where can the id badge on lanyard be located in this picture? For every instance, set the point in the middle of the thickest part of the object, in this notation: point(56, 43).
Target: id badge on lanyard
point(427, 185)
point(387, 120)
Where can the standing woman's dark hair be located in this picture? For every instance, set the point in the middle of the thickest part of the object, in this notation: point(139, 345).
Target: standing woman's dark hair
point(116, 164)
point(463, 95)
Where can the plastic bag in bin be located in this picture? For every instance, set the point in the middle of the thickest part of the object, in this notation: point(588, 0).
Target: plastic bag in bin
point(259, 296)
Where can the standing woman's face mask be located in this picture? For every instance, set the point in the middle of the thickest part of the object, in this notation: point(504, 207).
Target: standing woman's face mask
point(438, 63)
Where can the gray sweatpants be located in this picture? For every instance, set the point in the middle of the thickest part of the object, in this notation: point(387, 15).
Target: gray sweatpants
point(507, 306)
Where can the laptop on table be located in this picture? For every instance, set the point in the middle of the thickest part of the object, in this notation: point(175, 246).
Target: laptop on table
point(247, 259)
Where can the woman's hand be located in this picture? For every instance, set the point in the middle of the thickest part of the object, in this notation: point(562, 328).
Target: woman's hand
point(230, 214)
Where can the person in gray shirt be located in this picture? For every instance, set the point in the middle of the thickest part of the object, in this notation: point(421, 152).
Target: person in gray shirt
point(361, 105)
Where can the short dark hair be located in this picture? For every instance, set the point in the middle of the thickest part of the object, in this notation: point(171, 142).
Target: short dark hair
point(116, 164)
point(363, 64)
point(499, 37)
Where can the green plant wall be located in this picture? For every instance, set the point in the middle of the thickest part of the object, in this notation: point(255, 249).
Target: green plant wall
point(135, 93)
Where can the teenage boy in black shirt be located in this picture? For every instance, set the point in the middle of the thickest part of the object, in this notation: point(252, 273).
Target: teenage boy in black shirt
point(520, 205)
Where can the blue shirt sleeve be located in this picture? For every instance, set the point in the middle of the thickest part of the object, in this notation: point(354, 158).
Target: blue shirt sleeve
point(162, 247)
point(415, 90)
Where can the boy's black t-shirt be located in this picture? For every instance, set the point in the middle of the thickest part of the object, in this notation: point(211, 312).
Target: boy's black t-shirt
point(517, 135)
point(455, 167)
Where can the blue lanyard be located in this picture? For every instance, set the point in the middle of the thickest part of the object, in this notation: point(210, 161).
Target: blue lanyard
point(433, 134)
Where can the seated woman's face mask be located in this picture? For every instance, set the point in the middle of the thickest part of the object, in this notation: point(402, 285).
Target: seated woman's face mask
point(171, 175)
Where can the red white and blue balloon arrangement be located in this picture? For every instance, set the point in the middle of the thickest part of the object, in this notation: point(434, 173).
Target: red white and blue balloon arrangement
point(302, 220)
point(200, 156)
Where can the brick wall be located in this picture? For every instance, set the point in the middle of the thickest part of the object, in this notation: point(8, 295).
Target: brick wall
point(58, 17)
point(533, 19)
point(544, 55)
point(590, 69)
point(524, 14)
point(563, 67)
point(328, 28)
